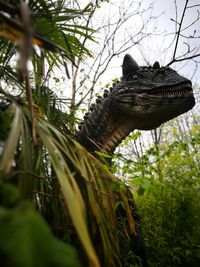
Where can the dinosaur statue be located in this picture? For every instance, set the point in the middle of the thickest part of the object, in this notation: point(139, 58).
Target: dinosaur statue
point(143, 99)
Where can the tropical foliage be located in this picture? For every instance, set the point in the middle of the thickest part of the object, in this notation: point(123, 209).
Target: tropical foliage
point(43, 169)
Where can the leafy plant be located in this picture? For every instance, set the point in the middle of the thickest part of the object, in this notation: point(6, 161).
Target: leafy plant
point(166, 183)
point(39, 159)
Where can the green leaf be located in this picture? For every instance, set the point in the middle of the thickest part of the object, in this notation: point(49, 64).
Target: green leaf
point(9, 195)
point(12, 140)
point(103, 155)
point(26, 241)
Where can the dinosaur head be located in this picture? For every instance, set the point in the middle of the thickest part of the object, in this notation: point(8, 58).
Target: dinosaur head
point(143, 99)
point(151, 95)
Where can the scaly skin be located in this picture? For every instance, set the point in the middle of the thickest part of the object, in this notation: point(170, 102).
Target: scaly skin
point(145, 98)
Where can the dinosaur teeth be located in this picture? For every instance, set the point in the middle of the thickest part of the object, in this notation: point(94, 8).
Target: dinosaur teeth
point(175, 92)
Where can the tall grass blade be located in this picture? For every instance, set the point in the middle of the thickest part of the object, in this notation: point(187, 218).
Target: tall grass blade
point(12, 140)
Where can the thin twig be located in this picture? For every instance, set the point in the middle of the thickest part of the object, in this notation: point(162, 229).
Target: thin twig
point(179, 30)
point(182, 59)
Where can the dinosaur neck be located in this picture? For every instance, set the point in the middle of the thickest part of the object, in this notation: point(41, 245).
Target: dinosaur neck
point(103, 129)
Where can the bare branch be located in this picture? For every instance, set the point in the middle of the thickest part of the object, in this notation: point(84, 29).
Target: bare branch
point(182, 59)
point(112, 47)
point(190, 53)
point(179, 30)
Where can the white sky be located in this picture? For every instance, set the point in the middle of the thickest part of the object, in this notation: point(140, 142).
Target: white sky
point(153, 47)
point(166, 24)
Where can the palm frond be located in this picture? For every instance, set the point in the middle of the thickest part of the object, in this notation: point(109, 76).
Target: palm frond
point(69, 186)
point(85, 185)
point(50, 27)
point(73, 191)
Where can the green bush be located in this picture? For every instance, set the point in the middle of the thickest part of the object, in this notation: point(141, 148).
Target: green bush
point(171, 229)
point(167, 192)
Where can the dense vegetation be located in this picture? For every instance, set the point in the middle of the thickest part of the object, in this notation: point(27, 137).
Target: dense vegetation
point(53, 194)
point(166, 184)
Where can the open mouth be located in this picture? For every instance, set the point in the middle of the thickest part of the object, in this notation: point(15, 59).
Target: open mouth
point(179, 90)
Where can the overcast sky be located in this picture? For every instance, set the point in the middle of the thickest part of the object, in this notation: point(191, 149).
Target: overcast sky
point(153, 48)
point(149, 50)
point(167, 9)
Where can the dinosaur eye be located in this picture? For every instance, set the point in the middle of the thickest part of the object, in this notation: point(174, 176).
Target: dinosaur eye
point(135, 76)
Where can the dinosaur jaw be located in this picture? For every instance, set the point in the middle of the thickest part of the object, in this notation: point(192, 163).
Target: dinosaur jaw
point(148, 109)
point(129, 112)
